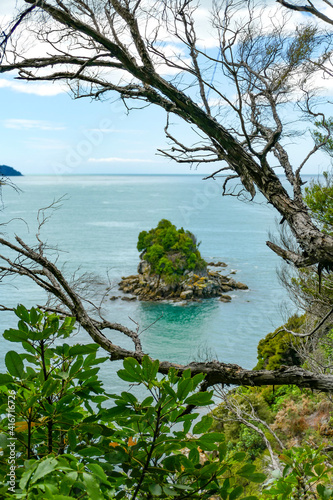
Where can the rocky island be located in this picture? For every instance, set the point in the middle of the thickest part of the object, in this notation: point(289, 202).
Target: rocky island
point(171, 268)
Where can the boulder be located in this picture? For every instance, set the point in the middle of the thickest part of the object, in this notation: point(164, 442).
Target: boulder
point(241, 286)
point(143, 267)
point(225, 298)
point(186, 295)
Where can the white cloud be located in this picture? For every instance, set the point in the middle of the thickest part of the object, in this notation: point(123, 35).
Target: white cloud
point(23, 124)
point(120, 160)
point(41, 89)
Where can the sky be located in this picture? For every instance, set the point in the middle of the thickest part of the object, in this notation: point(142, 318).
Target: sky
point(44, 131)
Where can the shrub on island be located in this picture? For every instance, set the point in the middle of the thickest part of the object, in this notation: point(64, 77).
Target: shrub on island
point(169, 251)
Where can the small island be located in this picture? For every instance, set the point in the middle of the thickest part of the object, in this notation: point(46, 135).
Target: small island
point(171, 268)
point(6, 171)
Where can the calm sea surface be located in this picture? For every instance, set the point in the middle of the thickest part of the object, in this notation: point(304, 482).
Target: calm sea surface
point(96, 231)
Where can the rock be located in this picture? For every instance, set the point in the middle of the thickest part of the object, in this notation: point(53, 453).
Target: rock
point(186, 295)
point(114, 297)
point(128, 299)
point(241, 286)
point(217, 264)
point(225, 298)
point(191, 286)
point(143, 267)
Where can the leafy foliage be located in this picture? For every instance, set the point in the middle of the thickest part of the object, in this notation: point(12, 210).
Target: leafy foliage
point(319, 198)
point(277, 349)
point(69, 445)
point(304, 476)
point(170, 251)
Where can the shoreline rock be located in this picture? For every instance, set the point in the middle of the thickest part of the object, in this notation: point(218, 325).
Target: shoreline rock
point(191, 287)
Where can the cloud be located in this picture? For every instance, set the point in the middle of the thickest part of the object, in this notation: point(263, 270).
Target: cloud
point(40, 89)
point(120, 160)
point(23, 124)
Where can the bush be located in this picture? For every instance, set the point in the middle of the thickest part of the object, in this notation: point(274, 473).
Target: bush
point(277, 349)
point(71, 443)
point(170, 251)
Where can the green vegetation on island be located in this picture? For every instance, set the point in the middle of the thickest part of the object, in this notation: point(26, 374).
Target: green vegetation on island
point(173, 269)
point(170, 251)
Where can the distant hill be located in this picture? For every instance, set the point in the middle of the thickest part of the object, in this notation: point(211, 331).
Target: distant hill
point(8, 171)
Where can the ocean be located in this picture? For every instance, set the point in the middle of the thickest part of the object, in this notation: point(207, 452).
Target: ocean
point(95, 231)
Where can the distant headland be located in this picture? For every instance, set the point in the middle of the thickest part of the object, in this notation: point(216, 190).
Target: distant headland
point(8, 171)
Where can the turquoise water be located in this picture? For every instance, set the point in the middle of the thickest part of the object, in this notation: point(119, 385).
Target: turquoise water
point(96, 229)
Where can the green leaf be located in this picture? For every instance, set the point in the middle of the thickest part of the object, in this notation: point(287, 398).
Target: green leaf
point(185, 386)
point(22, 313)
point(117, 456)
point(186, 374)
point(319, 469)
point(256, 477)
point(82, 349)
point(246, 469)
point(87, 374)
point(194, 456)
point(34, 316)
point(324, 492)
point(124, 375)
point(149, 368)
point(127, 397)
point(15, 335)
point(147, 402)
point(98, 471)
point(197, 379)
point(200, 399)
point(92, 451)
point(45, 467)
point(209, 469)
point(49, 387)
point(212, 437)
point(14, 364)
point(169, 390)
point(28, 347)
point(93, 489)
point(183, 487)
point(236, 493)
point(204, 425)
point(76, 365)
point(5, 379)
point(71, 439)
point(132, 367)
point(169, 491)
point(155, 489)
point(110, 413)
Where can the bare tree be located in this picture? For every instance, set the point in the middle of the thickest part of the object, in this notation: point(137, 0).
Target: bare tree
point(244, 413)
point(238, 101)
